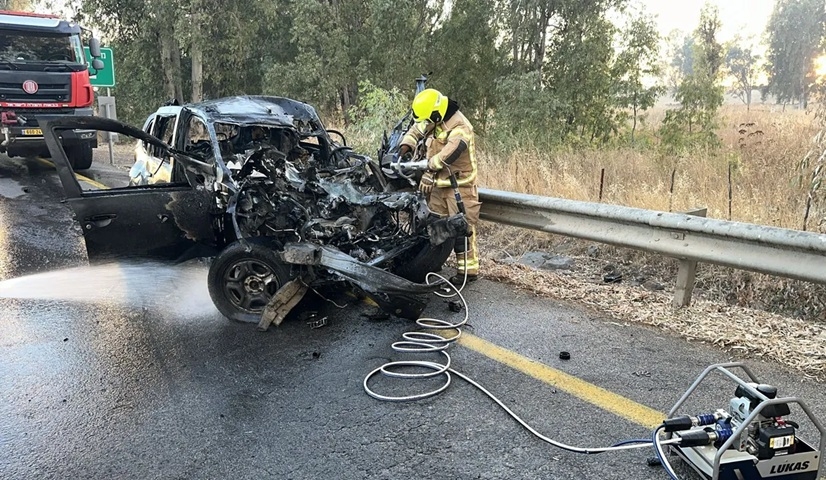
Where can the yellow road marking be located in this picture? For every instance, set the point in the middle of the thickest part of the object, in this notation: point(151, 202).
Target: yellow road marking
point(602, 398)
point(598, 396)
point(88, 180)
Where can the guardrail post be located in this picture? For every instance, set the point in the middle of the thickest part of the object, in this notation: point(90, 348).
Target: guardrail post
point(687, 272)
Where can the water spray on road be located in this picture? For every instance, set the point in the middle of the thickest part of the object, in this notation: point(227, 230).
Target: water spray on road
point(176, 289)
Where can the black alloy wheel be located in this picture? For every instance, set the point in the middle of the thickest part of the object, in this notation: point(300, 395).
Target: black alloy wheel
point(242, 280)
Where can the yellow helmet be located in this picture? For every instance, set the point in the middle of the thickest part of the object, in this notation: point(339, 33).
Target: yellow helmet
point(430, 105)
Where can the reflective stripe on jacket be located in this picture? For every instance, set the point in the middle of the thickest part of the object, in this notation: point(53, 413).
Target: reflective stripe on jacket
point(450, 143)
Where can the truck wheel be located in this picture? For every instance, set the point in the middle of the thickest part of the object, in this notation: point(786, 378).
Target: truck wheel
point(80, 156)
point(241, 283)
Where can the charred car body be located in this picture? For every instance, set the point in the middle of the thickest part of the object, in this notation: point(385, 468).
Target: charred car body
point(259, 184)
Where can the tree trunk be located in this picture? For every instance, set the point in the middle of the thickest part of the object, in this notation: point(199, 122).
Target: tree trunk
point(176, 66)
point(543, 38)
point(515, 31)
point(171, 65)
point(196, 52)
point(344, 95)
point(197, 72)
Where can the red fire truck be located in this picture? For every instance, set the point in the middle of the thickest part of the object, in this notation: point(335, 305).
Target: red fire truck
point(43, 74)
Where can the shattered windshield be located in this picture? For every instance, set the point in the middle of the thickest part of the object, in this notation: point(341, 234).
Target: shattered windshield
point(21, 47)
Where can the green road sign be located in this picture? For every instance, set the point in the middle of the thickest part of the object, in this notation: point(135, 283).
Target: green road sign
point(105, 77)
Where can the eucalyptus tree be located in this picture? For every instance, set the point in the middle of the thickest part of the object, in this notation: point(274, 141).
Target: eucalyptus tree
point(638, 67)
point(795, 32)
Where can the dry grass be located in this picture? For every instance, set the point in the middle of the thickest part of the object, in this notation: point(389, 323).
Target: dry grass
point(748, 314)
point(742, 331)
point(763, 159)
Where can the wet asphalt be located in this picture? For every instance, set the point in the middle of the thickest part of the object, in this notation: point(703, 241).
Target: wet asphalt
point(145, 379)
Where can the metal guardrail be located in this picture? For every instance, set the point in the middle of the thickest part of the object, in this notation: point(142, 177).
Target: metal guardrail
point(770, 250)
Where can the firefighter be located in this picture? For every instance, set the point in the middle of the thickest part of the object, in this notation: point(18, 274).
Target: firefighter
point(449, 139)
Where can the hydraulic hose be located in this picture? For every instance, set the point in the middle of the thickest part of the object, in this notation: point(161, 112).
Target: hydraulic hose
point(661, 456)
point(429, 342)
point(455, 185)
point(423, 342)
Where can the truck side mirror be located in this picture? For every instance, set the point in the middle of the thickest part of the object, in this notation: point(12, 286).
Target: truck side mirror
point(94, 49)
point(97, 64)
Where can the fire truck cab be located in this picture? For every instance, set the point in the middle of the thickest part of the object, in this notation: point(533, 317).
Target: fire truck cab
point(44, 74)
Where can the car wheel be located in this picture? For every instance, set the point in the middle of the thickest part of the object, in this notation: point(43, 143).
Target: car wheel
point(80, 156)
point(242, 280)
point(422, 259)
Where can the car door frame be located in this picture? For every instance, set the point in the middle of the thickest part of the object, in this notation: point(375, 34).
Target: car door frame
point(159, 169)
point(171, 222)
point(139, 173)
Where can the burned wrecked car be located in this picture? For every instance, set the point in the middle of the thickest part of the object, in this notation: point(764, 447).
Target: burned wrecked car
point(261, 187)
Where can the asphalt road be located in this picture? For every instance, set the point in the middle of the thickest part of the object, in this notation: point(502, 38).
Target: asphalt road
point(130, 372)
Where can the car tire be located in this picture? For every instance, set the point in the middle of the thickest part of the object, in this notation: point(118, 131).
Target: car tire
point(423, 259)
point(80, 156)
point(243, 279)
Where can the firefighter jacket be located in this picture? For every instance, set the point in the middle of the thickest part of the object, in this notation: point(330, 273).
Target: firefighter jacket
point(448, 143)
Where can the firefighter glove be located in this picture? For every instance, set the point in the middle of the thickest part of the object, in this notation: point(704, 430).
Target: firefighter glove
point(426, 184)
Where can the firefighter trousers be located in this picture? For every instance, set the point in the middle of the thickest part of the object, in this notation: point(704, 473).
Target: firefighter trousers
point(443, 202)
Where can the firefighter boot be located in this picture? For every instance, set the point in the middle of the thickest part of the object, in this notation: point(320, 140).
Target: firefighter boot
point(467, 259)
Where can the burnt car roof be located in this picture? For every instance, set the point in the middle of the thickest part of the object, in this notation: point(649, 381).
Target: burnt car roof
point(260, 109)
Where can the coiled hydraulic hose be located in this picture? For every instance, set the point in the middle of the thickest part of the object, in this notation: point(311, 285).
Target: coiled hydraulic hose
point(428, 342)
point(423, 342)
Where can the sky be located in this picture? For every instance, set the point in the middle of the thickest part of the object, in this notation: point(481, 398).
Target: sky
point(744, 17)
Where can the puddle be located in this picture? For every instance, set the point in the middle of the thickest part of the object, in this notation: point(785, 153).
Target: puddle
point(10, 188)
point(179, 290)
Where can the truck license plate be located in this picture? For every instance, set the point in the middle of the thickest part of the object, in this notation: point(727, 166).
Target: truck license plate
point(32, 131)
